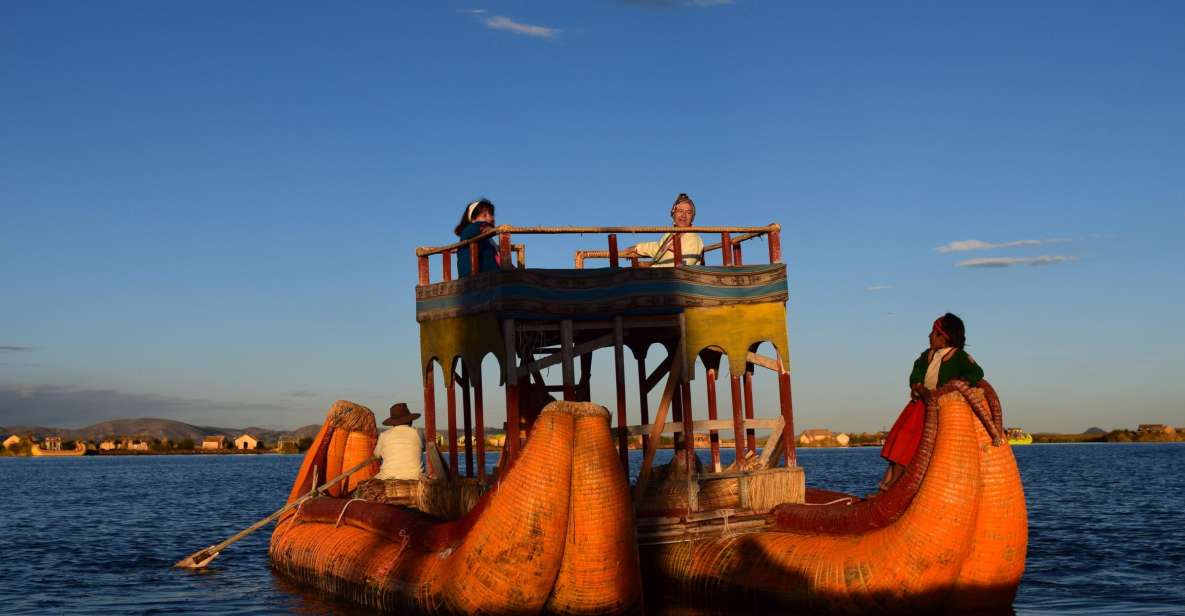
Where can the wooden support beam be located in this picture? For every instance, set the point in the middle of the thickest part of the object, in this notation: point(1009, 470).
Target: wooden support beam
point(566, 356)
point(788, 416)
point(446, 260)
point(655, 377)
point(688, 426)
point(467, 415)
point(643, 401)
point(474, 258)
point(677, 248)
point(773, 446)
point(450, 393)
point(765, 362)
point(702, 425)
point(430, 403)
point(750, 435)
point(613, 261)
point(479, 422)
point(713, 435)
point(558, 357)
point(738, 419)
point(660, 421)
point(775, 246)
point(619, 373)
point(726, 248)
point(737, 257)
point(510, 376)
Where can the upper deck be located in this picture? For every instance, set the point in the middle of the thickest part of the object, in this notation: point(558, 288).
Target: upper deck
point(518, 292)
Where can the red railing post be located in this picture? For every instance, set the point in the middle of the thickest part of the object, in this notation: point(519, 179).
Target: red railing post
point(447, 263)
point(504, 251)
point(422, 264)
point(736, 255)
point(775, 245)
point(677, 248)
point(726, 248)
point(613, 251)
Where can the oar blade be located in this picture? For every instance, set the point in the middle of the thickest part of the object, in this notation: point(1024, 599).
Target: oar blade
point(197, 560)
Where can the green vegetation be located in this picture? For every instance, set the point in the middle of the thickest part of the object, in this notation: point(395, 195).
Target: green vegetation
point(304, 444)
point(1114, 436)
point(22, 448)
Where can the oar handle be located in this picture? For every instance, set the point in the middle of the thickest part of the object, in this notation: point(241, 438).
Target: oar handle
point(214, 549)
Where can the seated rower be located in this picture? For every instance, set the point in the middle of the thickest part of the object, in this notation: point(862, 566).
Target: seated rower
point(400, 448)
point(662, 252)
point(944, 361)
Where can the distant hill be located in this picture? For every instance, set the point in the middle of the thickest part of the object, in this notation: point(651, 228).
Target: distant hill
point(160, 428)
point(1094, 430)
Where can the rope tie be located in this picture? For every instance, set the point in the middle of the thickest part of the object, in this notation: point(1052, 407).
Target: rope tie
point(343, 511)
point(847, 500)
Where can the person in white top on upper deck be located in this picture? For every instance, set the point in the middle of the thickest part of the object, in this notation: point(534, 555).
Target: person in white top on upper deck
point(400, 448)
point(662, 252)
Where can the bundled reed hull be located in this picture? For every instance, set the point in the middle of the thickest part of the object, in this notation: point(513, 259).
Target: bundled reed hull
point(951, 533)
point(554, 534)
point(37, 451)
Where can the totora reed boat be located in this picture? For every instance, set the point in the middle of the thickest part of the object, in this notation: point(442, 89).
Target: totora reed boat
point(558, 527)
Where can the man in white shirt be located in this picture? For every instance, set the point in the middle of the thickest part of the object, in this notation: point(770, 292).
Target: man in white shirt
point(662, 253)
point(400, 448)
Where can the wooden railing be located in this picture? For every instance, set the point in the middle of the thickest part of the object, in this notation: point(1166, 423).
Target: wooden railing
point(729, 246)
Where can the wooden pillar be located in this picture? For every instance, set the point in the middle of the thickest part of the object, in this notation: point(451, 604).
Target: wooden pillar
point(613, 261)
point(510, 377)
point(788, 444)
point(688, 425)
point(623, 439)
point(643, 402)
point(422, 265)
point(451, 400)
point(430, 402)
point(750, 433)
point(467, 415)
point(566, 353)
point(738, 421)
point(737, 258)
point(676, 415)
point(677, 248)
point(446, 261)
point(504, 251)
point(713, 435)
point(726, 248)
point(583, 387)
point(479, 422)
point(775, 246)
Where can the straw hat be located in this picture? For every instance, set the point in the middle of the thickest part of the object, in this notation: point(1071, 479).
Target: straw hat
point(400, 415)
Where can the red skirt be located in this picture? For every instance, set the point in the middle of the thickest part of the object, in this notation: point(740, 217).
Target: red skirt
point(903, 440)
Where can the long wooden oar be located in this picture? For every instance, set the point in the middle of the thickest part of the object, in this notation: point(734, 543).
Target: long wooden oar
point(202, 557)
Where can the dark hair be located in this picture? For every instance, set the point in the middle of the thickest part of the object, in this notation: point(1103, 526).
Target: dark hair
point(483, 205)
point(956, 333)
point(683, 198)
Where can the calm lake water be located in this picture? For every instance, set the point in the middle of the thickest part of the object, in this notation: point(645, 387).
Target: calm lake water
point(100, 534)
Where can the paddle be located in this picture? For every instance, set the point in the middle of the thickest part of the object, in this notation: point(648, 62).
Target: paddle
point(202, 557)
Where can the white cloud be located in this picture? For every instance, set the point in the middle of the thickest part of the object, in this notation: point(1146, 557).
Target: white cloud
point(498, 22)
point(966, 245)
point(1010, 261)
point(878, 287)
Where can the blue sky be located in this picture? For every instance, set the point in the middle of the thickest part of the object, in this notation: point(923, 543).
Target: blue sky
point(209, 211)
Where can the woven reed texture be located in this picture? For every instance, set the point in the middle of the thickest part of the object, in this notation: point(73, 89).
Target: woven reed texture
point(403, 492)
point(600, 571)
point(503, 557)
point(923, 559)
point(445, 499)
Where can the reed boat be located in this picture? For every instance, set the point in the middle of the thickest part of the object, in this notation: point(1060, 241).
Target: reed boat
point(558, 527)
point(52, 452)
point(1016, 436)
